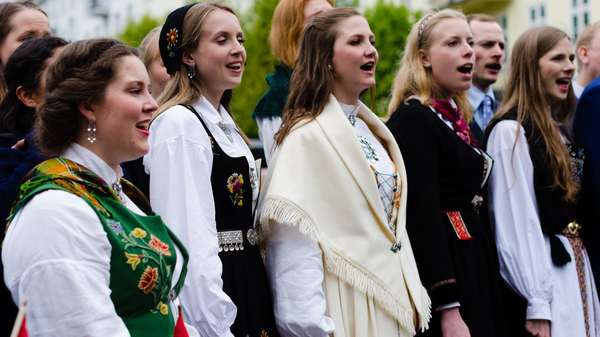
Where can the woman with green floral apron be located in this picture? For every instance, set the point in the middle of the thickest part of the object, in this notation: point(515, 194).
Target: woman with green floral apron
point(83, 245)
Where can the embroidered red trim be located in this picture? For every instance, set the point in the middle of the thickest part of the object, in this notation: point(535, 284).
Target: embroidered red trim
point(459, 225)
point(441, 283)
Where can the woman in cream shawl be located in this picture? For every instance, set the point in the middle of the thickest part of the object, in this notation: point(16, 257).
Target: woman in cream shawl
point(338, 257)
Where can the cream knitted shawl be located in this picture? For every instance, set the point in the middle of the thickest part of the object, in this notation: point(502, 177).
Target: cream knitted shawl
point(320, 181)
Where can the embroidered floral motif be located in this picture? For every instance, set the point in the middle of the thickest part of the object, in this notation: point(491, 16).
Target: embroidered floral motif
point(159, 246)
point(235, 183)
point(116, 227)
point(133, 259)
point(163, 308)
point(172, 37)
point(139, 233)
point(148, 279)
point(264, 334)
point(157, 280)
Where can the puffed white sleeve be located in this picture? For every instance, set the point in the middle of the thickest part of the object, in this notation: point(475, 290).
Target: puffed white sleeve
point(525, 264)
point(267, 127)
point(57, 255)
point(179, 164)
point(295, 269)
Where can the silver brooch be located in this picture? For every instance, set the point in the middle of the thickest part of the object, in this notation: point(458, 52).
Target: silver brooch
point(227, 131)
point(116, 186)
point(368, 149)
point(252, 236)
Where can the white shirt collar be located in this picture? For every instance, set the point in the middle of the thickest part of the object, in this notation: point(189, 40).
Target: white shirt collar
point(476, 96)
point(210, 114)
point(87, 158)
point(349, 109)
point(577, 89)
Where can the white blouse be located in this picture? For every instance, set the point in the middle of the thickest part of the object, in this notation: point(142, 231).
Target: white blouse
point(267, 127)
point(180, 165)
point(295, 263)
point(552, 292)
point(524, 262)
point(57, 255)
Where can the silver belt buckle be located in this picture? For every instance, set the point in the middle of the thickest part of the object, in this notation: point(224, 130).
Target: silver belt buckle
point(230, 240)
point(234, 240)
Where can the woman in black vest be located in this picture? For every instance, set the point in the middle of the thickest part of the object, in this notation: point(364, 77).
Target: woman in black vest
point(532, 192)
point(203, 178)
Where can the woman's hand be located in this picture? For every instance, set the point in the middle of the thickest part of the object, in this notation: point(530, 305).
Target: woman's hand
point(20, 145)
point(453, 325)
point(538, 327)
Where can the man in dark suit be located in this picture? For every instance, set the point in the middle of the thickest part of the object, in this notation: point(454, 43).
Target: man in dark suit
point(587, 134)
point(488, 44)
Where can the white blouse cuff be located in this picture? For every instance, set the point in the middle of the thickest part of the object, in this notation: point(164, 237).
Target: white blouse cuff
point(538, 309)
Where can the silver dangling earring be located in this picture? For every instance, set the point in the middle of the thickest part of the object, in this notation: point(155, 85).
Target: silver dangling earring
point(91, 130)
point(329, 66)
point(191, 72)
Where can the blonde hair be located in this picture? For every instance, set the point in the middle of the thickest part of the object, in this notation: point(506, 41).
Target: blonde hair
point(532, 105)
point(413, 79)
point(180, 89)
point(286, 29)
point(585, 39)
point(149, 47)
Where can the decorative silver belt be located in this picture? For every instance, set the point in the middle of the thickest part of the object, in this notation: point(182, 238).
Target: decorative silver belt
point(234, 240)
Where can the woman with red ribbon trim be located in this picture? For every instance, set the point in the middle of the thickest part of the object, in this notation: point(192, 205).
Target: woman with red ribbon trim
point(454, 249)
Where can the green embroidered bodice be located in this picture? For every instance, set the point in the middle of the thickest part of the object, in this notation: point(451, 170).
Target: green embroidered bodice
point(143, 254)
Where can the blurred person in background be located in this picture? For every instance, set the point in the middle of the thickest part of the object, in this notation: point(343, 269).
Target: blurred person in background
point(19, 21)
point(158, 79)
point(26, 86)
point(587, 54)
point(489, 46)
point(289, 19)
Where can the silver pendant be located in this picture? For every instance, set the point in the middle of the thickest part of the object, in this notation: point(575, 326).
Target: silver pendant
point(368, 149)
point(227, 131)
point(352, 119)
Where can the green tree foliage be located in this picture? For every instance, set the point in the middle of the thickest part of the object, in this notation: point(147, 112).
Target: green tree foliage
point(391, 25)
point(135, 31)
point(259, 62)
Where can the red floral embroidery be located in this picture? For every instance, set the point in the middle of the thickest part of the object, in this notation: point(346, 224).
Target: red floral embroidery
point(172, 36)
point(148, 279)
point(159, 246)
point(234, 184)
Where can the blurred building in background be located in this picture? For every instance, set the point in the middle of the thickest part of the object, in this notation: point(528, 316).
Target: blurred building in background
point(84, 19)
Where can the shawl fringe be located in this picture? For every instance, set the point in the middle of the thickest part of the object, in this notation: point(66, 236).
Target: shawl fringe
point(284, 211)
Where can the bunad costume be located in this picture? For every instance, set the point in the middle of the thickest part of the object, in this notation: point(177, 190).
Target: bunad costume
point(338, 257)
point(204, 183)
point(542, 258)
point(91, 260)
point(454, 248)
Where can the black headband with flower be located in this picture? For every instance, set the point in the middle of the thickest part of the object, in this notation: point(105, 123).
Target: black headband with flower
point(169, 42)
